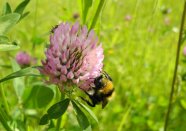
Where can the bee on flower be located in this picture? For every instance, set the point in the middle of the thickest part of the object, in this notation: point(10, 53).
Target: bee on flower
point(75, 57)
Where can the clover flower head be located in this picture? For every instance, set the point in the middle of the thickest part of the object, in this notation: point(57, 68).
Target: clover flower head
point(74, 56)
point(167, 21)
point(184, 51)
point(23, 59)
point(128, 17)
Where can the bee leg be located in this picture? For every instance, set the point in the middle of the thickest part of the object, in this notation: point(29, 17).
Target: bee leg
point(87, 93)
point(90, 104)
point(104, 103)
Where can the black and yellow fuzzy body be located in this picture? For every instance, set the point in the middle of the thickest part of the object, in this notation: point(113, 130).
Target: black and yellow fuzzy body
point(102, 91)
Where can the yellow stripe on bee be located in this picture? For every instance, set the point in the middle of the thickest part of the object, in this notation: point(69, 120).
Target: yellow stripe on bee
point(108, 86)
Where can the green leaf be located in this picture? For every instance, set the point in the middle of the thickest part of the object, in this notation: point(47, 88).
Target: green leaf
point(24, 15)
point(91, 114)
point(3, 39)
point(44, 96)
point(81, 117)
point(6, 9)
point(8, 21)
point(29, 97)
point(30, 71)
point(8, 47)
point(98, 12)
point(19, 85)
point(58, 109)
point(124, 119)
point(20, 8)
point(86, 4)
point(6, 44)
point(38, 96)
point(44, 120)
point(88, 128)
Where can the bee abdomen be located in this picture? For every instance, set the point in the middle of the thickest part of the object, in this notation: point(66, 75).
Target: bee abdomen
point(109, 93)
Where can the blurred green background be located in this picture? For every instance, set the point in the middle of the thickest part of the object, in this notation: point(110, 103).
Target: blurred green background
point(139, 39)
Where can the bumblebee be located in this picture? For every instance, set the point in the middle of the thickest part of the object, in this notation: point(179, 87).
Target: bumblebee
point(102, 91)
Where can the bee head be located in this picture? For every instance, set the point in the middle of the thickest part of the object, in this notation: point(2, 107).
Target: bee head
point(98, 82)
point(102, 80)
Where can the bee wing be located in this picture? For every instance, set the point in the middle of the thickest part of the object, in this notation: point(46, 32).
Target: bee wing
point(104, 103)
point(107, 75)
point(91, 92)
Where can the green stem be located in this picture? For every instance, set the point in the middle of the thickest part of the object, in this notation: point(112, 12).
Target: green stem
point(176, 67)
point(58, 125)
point(82, 10)
point(100, 6)
point(4, 122)
point(4, 100)
point(35, 26)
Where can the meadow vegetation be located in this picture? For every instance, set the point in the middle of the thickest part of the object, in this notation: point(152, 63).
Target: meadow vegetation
point(139, 39)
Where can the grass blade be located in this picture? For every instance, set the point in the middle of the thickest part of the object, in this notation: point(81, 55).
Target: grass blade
point(100, 6)
point(86, 4)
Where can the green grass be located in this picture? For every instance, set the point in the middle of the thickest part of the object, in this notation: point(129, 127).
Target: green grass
point(139, 56)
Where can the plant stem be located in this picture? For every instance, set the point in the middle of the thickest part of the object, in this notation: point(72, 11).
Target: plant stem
point(58, 123)
point(176, 67)
point(4, 122)
point(60, 118)
point(100, 6)
point(82, 10)
point(4, 100)
point(35, 27)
